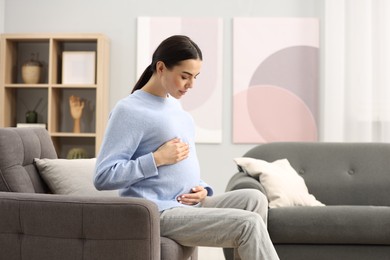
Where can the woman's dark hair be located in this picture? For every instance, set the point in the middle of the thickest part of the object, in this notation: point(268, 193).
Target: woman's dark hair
point(171, 51)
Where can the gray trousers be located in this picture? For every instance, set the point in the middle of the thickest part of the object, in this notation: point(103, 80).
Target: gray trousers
point(235, 219)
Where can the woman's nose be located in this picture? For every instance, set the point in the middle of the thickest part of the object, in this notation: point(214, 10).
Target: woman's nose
point(189, 84)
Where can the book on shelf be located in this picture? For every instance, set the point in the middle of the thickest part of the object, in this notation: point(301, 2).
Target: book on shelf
point(30, 125)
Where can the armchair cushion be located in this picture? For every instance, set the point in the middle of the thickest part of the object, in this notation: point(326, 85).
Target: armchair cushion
point(70, 177)
point(283, 185)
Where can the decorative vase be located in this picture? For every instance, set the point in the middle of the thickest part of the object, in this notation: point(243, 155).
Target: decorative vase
point(31, 71)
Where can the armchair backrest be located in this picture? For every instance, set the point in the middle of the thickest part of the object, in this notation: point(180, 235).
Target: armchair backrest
point(18, 148)
point(337, 173)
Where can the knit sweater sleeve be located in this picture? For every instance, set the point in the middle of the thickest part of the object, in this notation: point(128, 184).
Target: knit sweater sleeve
point(210, 191)
point(115, 166)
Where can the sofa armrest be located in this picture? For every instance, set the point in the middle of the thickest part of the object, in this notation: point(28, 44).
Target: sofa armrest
point(241, 180)
point(45, 226)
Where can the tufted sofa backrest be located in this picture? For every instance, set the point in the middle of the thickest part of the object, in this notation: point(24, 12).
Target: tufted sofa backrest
point(336, 173)
point(18, 148)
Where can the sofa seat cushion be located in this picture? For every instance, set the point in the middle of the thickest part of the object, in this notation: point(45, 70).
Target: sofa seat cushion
point(170, 250)
point(330, 225)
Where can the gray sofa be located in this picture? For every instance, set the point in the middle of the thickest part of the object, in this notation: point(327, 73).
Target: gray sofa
point(352, 179)
point(35, 224)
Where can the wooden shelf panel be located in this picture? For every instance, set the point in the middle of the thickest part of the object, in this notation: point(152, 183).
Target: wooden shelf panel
point(74, 86)
point(26, 86)
point(64, 134)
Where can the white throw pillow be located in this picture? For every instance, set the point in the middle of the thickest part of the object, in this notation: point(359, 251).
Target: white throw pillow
point(70, 176)
point(283, 185)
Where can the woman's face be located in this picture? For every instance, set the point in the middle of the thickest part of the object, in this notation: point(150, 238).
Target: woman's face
point(179, 79)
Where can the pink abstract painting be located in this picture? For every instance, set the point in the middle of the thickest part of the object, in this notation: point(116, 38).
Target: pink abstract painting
point(275, 79)
point(204, 100)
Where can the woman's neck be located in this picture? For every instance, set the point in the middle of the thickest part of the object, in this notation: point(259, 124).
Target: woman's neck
point(154, 87)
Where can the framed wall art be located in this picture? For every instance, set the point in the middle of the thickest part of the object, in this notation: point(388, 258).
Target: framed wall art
point(204, 100)
point(78, 67)
point(275, 79)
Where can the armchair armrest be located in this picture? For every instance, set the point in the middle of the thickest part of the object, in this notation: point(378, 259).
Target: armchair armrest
point(46, 226)
point(241, 180)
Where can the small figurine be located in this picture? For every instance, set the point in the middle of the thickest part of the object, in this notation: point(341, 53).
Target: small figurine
point(76, 110)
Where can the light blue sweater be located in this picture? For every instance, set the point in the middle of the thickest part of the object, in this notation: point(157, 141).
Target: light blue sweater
point(138, 125)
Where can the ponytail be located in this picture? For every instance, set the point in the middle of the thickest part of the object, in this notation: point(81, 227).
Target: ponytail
point(146, 75)
point(171, 51)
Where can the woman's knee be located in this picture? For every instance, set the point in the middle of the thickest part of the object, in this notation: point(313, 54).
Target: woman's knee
point(256, 197)
point(256, 194)
point(257, 202)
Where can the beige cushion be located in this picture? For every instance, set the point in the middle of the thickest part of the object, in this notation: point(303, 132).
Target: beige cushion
point(283, 185)
point(71, 177)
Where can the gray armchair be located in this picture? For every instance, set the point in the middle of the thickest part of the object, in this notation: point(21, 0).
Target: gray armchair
point(36, 224)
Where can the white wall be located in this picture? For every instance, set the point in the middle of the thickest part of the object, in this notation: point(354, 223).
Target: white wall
point(2, 18)
point(117, 19)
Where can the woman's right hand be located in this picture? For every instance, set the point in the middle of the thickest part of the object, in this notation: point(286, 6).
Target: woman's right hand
point(171, 152)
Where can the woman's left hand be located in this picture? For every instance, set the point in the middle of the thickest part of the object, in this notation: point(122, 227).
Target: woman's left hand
point(197, 195)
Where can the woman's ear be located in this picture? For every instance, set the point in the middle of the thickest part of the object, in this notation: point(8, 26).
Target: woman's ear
point(160, 67)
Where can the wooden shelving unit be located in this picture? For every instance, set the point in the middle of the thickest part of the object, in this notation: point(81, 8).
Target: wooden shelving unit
point(17, 97)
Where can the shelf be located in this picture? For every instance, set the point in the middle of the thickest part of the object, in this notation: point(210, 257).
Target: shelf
point(60, 134)
point(65, 144)
point(17, 97)
point(18, 51)
point(26, 86)
point(19, 100)
point(79, 86)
